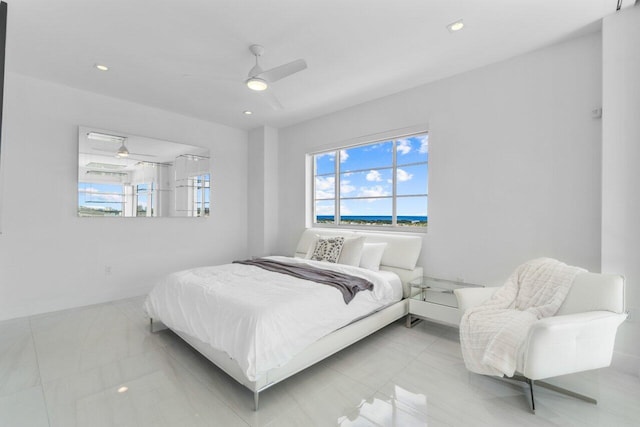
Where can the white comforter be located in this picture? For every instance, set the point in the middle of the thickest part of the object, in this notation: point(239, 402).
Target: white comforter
point(492, 333)
point(261, 318)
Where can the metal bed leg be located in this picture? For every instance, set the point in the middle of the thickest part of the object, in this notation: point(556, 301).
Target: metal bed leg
point(255, 400)
point(412, 321)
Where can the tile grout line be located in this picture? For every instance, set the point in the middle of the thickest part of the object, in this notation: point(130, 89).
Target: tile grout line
point(188, 372)
point(35, 349)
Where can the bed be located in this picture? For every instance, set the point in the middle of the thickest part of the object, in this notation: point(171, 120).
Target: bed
point(261, 326)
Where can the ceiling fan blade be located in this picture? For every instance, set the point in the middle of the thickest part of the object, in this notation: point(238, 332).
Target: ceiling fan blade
point(277, 73)
point(145, 155)
point(111, 151)
point(272, 100)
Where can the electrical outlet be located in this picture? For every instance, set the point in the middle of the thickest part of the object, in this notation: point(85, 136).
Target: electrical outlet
point(596, 113)
point(107, 270)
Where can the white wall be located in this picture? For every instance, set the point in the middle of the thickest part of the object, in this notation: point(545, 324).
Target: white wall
point(263, 191)
point(49, 258)
point(514, 161)
point(620, 160)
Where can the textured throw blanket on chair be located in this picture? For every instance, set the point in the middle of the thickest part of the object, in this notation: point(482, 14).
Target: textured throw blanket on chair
point(492, 333)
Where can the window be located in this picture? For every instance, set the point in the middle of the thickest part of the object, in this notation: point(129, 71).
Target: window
point(96, 199)
point(144, 199)
point(384, 183)
point(199, 185)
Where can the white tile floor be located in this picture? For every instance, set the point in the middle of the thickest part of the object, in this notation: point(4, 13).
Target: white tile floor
point(65, 369)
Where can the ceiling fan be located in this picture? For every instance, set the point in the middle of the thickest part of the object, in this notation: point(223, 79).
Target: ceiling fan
point(259, 79)
point(122, 152)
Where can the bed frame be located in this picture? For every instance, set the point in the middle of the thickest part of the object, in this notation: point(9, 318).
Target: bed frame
point(401, 256)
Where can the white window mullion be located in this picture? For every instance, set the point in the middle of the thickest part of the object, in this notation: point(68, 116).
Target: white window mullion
point(337, 189)
point(394, 176)
point(314, 214)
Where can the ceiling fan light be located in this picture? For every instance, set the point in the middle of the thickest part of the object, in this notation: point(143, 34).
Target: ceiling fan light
point(122, 151)
point(257, 84)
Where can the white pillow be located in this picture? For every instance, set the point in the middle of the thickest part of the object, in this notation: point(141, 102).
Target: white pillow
point(312, 246)
point(351, 251)
point(372, 255)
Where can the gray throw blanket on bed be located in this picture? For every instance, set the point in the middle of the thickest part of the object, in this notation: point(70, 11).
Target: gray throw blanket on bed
point(348, 285)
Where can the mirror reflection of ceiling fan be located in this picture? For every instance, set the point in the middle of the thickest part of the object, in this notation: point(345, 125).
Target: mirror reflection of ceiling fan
point(122, 152)
point(259, 79)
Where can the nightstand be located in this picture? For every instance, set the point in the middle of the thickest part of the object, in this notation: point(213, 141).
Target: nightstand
point(433, 299)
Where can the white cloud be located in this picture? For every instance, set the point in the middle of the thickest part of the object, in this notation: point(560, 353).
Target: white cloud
point(343, 156)
point(324, 194)
point(325, 187)
point(424, 144)
point(344, 210)
point(95, 195)
point(375, 191)
point(374, 176)
point(324, 210)
point(345, 187)
point(403, 146)
point(403, 175)
point(331, 155)
point(325, 182)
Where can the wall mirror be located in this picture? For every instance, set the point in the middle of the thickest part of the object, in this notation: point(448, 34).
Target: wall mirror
point(122, 175)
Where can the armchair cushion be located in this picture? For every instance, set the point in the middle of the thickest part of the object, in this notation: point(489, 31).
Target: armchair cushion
point(561, 345)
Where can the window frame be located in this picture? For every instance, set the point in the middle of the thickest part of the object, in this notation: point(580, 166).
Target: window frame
point(389, 137)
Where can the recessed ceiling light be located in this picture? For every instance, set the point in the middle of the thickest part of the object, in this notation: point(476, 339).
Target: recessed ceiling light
point(123, 389)
point(455, 26)
point(102, 67)
point(247, 112)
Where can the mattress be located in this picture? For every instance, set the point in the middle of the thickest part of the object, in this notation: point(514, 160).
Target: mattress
point(262, 319)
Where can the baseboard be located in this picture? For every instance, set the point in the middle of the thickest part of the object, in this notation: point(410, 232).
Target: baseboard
point(67, 303)
point(627, 363)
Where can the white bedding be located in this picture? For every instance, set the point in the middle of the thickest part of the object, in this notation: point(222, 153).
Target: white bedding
point(262, 319)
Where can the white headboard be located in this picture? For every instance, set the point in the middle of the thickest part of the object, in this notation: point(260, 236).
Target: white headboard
point(400, 255)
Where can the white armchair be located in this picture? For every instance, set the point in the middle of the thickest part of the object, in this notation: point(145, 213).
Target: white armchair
point(579, 337)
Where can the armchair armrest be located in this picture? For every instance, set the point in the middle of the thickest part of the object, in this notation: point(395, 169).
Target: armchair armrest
point(561, 345)
point(471, 297)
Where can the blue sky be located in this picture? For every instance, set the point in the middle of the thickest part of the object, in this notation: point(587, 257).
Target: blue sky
point(103, 195)
point(366, 172)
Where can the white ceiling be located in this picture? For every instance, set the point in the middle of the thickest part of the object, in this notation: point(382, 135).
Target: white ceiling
point(191, 56)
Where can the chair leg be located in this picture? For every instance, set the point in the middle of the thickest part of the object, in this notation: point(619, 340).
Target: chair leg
point(567, 392)
point(533, 402)
point(528, 381)
point(553, 388)
point(255, 400)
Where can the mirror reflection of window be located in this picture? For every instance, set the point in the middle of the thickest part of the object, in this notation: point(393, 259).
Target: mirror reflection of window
point(121, 175)
point(192, 185)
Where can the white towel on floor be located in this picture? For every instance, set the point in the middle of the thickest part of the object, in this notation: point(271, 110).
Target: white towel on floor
point(491, 334)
